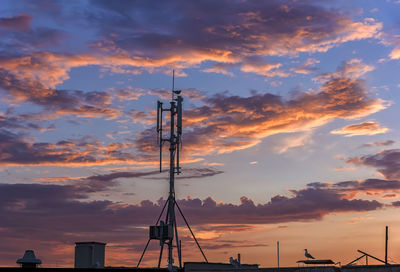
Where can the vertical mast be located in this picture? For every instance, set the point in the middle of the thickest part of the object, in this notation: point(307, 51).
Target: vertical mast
point(171, 197)
point(164, 231)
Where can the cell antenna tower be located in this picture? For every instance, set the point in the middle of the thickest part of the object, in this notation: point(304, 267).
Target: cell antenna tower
point(166, 231)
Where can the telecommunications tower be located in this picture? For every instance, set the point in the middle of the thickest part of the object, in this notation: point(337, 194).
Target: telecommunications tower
point(166, 231)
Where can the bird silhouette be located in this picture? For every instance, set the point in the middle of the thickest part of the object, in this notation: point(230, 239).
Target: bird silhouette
point(308, 255)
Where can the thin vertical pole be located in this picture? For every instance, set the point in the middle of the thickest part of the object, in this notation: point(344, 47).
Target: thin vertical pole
point(277, 249)
point(386, 245)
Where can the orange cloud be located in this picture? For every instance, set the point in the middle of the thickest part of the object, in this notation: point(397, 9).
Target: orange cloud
point(18, 151)
point(228, 123)
point(307, 67)
point(395, 54)
point(293, 141)
point(268, 70)
point(220, 68)
point(342, 168)
point(239, 33)
point(353, 69)
point(221, 124)
point(370, 187)
point(56, 102)
point(365, 128)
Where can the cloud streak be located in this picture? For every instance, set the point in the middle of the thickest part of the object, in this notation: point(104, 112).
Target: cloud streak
point(19, 22)
point(387, 162)
point(384, 143)
point(351, 189)
point(17, 151)
point(21, 199)
point(364, 128)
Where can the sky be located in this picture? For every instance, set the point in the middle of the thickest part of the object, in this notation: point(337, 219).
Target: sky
point(290, 128)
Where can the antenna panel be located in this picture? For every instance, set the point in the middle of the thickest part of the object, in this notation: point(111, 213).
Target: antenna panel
point(159, 111)
point(159, 129)
point(179, 113)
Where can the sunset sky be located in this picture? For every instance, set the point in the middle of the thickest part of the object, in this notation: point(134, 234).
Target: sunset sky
point(291, 127)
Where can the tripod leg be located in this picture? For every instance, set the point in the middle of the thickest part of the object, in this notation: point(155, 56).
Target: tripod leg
point(194, 237)
point(141, 257)
point(159, 217)
point(178, 247)
point(161, 251)
point(167, 215)
point(148, 241)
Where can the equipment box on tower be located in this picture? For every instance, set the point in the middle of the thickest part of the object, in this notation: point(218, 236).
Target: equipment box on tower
point(161, 232)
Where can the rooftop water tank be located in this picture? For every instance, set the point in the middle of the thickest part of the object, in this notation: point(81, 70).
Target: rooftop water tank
point(89, 254)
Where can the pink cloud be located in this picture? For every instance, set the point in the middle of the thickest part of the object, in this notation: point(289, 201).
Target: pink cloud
point(18, 22)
